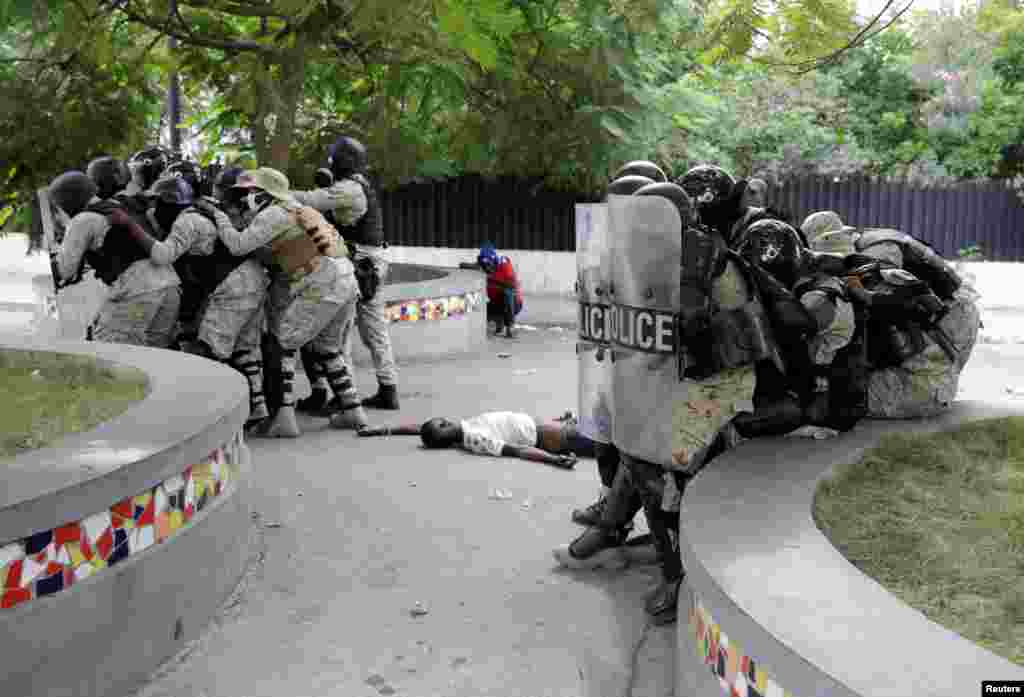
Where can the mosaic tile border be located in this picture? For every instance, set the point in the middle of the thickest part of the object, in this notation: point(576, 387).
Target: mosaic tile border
point(737, 673)
point(422, 309)
point(52, 561)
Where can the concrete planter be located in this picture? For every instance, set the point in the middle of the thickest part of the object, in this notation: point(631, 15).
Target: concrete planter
point(771, 608)
point(119, 544)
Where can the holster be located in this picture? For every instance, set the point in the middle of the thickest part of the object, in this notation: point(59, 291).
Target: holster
point(366, 274)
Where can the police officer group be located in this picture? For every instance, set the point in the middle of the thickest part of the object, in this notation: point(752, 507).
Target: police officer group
point(777, 329)
point(237, 268)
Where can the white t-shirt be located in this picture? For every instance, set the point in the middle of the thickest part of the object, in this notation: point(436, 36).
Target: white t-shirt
point(488, 433)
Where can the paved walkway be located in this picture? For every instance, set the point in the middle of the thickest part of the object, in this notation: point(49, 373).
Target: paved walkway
point(355, 532)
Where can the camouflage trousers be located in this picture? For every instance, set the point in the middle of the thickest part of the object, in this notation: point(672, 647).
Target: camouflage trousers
point(320, 311)
point(371, 322)
point(147, 319)
point(927, 384)
point(231, 325)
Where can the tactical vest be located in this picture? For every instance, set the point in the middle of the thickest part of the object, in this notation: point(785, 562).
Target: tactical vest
point(201, 274)
point(712, 338)
point(119, 250)
point(903, 312)
point(918, 258)
point(369, 229)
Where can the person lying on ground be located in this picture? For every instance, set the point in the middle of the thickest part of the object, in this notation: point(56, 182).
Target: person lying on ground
point(500, 433)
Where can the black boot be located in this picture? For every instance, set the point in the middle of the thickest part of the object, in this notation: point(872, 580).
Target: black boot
point(314, 403)
point(661, 604)
point(386, 398)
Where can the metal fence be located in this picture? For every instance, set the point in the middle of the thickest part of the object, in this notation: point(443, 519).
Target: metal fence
point(519, 214)
point(988, 215)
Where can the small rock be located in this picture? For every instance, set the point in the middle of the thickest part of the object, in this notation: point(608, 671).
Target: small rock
point(412, 484)
point(500, 495)
point(527, 504)
point(418, 610)
point(459, 661)
point(271, 525)
point(37, 375)
point(504, 355)
point(255, 515)
point(300, 493)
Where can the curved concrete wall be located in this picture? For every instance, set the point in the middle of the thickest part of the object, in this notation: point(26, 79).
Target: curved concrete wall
point(773, 609)
point(119, 544)
point(433, 312)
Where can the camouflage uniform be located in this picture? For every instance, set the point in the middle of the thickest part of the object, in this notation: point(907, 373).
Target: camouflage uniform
point(232, 316)
point(711, 403)
point(347, 201)
point(927, 383)
point(141, 307)
point(316, 308)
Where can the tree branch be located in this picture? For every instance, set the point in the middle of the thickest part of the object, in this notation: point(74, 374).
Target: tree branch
point(188, 37)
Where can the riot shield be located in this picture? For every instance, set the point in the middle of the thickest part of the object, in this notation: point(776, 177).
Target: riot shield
point(592, 348)
point(646, 246)
point(51, 235)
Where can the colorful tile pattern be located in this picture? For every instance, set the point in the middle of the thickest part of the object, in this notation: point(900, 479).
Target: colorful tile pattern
point(54, 560)
point(434, 308)
point(737, 673)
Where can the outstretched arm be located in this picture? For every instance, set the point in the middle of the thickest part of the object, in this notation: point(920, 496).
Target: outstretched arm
point(400, 430)
point(537, 455)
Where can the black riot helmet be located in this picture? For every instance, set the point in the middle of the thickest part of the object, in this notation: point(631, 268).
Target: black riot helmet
point(189, 171)
point(173, 191)
point(774, 246)
point(222, 185)
point(72, 191)
point(628, 185)
point(643, 168)
point(709, 186)
point(109, 174)
point(323, 179)
point(151, 162)
point(675, 194)
point(346, 157)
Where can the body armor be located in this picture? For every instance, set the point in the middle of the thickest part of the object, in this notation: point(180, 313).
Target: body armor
point(593, 285)
point(673, 316)
point(369, 229)
point(119, 250)
point(918, 258)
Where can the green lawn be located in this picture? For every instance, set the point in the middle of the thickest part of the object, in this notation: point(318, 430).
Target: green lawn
point(939, 521)
point(47, 396)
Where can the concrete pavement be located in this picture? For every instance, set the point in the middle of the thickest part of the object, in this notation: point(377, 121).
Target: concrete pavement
point(355, 532)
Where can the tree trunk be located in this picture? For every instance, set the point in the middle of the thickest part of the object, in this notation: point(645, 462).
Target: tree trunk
point(293, 77)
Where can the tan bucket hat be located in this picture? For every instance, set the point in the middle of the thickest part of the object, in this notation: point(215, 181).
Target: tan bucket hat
point(270, 180)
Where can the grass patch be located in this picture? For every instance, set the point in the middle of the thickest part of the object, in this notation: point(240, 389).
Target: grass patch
point(938, 519)
point(50, 395)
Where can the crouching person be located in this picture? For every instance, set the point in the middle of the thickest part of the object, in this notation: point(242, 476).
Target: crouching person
point(670, 406)
point(318, 304)
point(225, 292)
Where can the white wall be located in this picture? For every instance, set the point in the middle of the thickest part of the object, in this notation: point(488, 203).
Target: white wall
point(540, 273)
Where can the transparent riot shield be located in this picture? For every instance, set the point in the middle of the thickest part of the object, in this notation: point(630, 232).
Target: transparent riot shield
point(646, 250)
point(592, 348)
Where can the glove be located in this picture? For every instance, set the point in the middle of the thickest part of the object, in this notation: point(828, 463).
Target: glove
point(118, 217)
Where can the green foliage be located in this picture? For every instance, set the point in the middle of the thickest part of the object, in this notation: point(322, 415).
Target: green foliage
point(971, 252)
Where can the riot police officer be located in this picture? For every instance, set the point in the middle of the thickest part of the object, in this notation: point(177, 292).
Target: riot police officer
point(141, 307)
point(145, 167)
point(317, 303)
point(351, 204)
point(109, 174)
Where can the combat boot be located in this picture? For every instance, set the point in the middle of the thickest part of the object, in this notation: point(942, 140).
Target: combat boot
point(314, 403)
point(662, 604)
point(351, 418)
point(596, 548)
point(283, 425)
point(386, 398)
